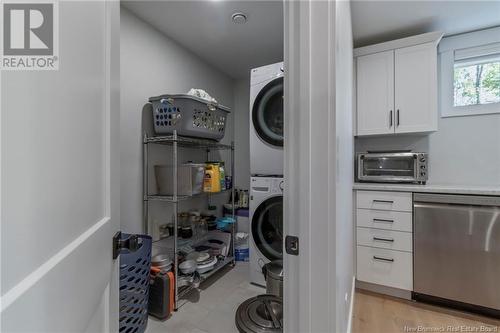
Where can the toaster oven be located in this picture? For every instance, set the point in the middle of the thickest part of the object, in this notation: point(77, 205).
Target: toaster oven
point(392, 167)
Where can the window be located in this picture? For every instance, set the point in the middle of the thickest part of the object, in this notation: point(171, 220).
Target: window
point(470, 74)
point(476, 81)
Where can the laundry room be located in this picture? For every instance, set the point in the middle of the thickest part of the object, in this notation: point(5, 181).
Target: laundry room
point(201, 136)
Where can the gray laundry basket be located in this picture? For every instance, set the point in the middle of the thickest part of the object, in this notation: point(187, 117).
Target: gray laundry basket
point(135, 265)
point(189, 115)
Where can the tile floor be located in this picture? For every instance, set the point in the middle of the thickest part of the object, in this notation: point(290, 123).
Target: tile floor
point(211, 310)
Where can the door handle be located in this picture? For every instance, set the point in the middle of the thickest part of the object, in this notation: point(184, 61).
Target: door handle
point(383, 201)
point(383, 259)
point(390, 119)
point(383, 239)
point(383, 220)
point(397, 117)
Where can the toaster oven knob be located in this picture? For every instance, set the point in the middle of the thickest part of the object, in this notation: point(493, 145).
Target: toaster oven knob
point(422, 173)
point(422, 159)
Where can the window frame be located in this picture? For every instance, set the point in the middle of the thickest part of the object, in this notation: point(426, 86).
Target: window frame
point(447, 49)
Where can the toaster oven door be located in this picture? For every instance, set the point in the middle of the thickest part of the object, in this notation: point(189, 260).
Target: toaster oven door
point(376, 168)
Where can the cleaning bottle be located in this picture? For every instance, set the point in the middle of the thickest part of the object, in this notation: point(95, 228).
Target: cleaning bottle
point(211, 182)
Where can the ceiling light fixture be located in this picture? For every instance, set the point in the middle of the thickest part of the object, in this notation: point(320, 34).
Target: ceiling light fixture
point(239, 18)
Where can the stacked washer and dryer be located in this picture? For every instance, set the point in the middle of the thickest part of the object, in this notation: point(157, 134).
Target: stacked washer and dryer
point(264, 313)
point(266, 168)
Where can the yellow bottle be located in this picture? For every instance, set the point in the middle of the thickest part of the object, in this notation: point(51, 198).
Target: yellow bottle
point(211, 182)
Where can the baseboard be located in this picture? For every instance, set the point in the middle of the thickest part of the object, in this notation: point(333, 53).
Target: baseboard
point(394, 292)
point(351, 305)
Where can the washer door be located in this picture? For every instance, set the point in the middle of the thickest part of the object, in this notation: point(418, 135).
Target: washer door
point(267, 113)
point(267, 228)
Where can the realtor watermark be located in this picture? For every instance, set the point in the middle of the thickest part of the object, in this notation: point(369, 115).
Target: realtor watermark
point(451, 328)
point(30, 35)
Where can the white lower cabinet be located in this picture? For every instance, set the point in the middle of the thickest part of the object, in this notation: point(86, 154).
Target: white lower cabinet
point(384, 238)
point(383, 200)
point(384, 219)
point(385, 267)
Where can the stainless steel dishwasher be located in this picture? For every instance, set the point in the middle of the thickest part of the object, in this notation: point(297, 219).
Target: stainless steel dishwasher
point(457, 250)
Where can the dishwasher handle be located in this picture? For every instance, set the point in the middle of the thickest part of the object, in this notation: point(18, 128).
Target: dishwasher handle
point(456, 207)
point(454, 199)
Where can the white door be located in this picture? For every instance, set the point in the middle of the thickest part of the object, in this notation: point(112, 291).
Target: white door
point(375, 93)
point(416, 88)
point(318, 281)
point(59, 181)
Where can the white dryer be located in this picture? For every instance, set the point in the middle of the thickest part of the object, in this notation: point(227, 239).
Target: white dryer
point(266, 120)
point(266, 224)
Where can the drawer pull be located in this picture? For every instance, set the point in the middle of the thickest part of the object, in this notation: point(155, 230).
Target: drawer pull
point(383, 239)
point(383, 201)
point(383, 259)
point(383, 221)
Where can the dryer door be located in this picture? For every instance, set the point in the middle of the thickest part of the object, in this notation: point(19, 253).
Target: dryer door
point(267, 113)
point(267, 227)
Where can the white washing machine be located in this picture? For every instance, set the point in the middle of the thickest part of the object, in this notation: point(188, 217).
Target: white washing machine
point(266, 120)
point(266, 224)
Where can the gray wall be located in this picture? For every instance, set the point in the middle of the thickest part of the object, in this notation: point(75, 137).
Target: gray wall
point(241, 133)
point(464, 150)
point(152, 64)
point(344, 244)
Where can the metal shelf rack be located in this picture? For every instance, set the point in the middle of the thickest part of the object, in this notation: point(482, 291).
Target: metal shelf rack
point(177, 142)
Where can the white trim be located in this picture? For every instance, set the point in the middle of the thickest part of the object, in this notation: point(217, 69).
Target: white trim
point(470, 39)
point(351, 305)
point(429, 37)
point(1, 173)
point(29, 281)
point(310, 102)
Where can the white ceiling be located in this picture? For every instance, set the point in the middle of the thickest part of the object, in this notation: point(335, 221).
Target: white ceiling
point(205, 28)
point(378, 21)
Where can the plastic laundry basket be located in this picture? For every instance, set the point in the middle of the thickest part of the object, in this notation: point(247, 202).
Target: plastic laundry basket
point(189, 116)
point(134, 285)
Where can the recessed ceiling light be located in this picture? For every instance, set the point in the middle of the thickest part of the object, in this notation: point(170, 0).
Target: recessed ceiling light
point(239, 18)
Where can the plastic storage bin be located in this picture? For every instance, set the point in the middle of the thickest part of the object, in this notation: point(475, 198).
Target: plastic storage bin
point(134, 285)
point(189, 115)
point(242, 252)
point(189, 179)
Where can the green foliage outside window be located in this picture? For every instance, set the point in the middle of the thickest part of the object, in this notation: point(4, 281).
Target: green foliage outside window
point(477, 84)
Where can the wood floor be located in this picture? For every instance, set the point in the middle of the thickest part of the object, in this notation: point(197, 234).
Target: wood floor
point(375, 313)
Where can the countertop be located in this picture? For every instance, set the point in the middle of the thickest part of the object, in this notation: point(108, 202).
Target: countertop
point(430, 188)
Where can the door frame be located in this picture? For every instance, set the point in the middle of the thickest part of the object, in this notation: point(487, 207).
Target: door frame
point(310, 166)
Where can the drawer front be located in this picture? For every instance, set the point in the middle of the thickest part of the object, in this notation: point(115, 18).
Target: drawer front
point(386, 239)
point(384, 219)
point(385, 267)
point(380, 200)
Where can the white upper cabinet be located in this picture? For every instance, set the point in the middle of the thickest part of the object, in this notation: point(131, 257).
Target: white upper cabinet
point(396, 86)
point(375, 91)
point(416, 88)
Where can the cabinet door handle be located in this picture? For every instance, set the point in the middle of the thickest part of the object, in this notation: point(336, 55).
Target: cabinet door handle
point(383, 220)
point(383, 201)
point(383, 259)
point(390, 119)
point(397, 117)
point(391, 240)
